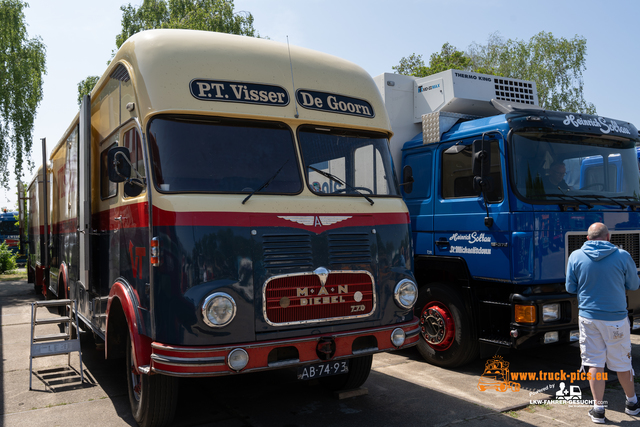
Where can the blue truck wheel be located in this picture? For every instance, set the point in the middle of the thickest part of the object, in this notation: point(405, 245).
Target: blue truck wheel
point(446, 338)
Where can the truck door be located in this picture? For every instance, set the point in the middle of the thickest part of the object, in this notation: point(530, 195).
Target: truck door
point(462, 227)
point(418, 195)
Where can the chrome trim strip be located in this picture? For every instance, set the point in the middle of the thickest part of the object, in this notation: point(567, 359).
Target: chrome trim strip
point(165, 347)
point(366, 350)
point(270, 367)
point(412, 333)
point(283, 363)
point(331, 319)
point(181, 361)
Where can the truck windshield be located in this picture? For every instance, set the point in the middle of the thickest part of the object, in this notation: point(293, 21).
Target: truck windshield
point(555, 167)
point(344, 162)
point(225, 156)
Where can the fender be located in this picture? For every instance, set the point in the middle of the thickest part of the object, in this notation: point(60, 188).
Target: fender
point(122, 291)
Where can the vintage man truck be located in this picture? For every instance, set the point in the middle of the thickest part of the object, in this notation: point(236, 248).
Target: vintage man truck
point(500, 192)
point(225, 204)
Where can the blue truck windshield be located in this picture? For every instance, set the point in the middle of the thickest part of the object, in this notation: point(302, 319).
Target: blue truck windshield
point(224, 156)
point(345, 162)
point(556, 167)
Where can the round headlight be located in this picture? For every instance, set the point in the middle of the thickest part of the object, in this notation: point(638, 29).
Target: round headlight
point(237, 359)
point(397, 337)
point(406, 293)
point(218, 310)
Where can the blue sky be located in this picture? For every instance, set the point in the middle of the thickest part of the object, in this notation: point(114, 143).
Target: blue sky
point(80, 35)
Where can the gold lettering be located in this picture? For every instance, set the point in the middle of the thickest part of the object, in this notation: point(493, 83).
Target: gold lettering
point(343, 289)
point(323, 291)
point(334, 300)
point(304, 301)
point(302, 292)
point(341, 299)
point(317, 301)
point(326, 300)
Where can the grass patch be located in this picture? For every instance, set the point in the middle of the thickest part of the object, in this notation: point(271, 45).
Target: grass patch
point(512, 414)
point(12, 276)
point(530, 409)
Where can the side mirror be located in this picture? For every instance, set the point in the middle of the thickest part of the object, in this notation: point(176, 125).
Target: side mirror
point(481, 164)
point(133, 188)
point(119, 164)
point(407, 179)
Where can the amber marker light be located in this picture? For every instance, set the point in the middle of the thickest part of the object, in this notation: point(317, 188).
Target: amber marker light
point(155, 252)
point(525, 313)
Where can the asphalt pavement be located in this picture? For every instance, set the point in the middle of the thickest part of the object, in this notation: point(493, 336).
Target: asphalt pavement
point(401, 390)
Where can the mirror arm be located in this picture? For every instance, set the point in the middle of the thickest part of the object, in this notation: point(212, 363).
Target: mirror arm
point(127, 179)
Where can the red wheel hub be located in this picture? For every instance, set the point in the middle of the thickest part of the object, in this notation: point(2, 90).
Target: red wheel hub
point(437, 325)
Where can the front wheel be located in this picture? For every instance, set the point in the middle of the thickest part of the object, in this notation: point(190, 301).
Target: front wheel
point(153, 398)
point(446, 338)
point(359, 369)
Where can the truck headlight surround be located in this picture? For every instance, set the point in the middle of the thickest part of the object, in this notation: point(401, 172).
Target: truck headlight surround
point(406, 293)
point(550, 312)
point(218, 310)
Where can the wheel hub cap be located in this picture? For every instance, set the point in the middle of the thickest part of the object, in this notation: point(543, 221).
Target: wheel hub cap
point(438, 326)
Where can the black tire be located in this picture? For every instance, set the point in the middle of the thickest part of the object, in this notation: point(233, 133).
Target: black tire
point(153, 398)
point(359, 369)
point(446, 337)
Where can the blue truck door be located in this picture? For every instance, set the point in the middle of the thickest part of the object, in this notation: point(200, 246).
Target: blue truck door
point(460, 229)
point(418, 196)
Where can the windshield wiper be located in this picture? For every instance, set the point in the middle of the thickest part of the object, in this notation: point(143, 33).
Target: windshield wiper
point(633, 200)
point(266, 184)
point(566, 196)
point(611, 199)
point(339, 181)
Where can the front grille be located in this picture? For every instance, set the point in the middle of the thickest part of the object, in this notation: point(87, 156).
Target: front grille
point(294, 299)
point(349, 248)
point(287, 251)
point(629, 241)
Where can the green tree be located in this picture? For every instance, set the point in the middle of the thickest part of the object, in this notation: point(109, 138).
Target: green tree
point(448, 58)
point(555, 64)
point(411, 66)
point(206, 15)
point(22, 67)
point(7, 259)
point(86, 86)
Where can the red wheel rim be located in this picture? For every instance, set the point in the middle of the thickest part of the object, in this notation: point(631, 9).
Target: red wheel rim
point(437, 325)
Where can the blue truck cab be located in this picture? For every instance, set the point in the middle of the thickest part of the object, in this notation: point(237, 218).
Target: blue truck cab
point(500, 192)
point(10, 233)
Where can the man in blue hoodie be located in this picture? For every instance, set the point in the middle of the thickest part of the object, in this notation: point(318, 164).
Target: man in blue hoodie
point(600, 273)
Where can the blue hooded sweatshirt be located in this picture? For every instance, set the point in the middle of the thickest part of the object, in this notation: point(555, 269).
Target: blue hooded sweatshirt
point(599, 273)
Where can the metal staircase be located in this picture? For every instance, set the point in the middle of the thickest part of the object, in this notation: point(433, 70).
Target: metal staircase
point(65, 342)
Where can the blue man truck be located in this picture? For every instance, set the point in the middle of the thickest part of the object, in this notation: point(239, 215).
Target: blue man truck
point(500, 192)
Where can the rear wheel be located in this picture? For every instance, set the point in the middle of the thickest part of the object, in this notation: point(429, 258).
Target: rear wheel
point(446, 338)
point(359, 369)
point(152, 398)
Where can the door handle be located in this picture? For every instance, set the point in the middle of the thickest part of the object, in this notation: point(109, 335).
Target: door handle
point(443, 244)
